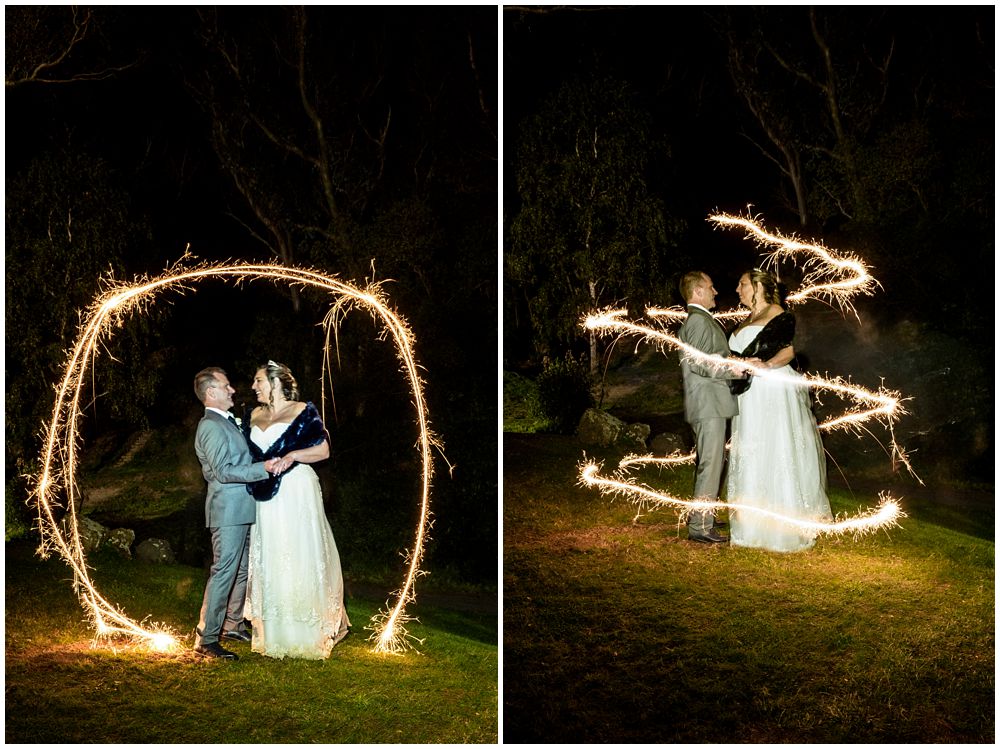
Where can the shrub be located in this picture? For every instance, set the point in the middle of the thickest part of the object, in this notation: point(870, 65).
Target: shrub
point(17, 518)
point(522, 411)
point(565, 392)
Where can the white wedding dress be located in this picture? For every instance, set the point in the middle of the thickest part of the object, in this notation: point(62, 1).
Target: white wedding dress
point(776, 461)
point(295, 594)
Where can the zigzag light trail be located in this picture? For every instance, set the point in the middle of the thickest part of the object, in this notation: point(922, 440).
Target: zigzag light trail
point(883, 403)
point(830, 276)
point(59, 454)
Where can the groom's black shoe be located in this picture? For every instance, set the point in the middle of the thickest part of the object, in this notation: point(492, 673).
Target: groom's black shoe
point(707, 538)
point(720, 524)
point(237, 634)
point(215, 650)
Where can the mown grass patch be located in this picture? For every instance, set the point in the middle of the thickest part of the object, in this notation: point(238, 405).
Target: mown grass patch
point(62, 688)
point(618, 629)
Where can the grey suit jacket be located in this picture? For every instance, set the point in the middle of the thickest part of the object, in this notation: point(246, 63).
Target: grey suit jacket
point(228, 468)
point(706, 390)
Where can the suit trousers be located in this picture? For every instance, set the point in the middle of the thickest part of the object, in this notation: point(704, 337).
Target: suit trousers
point(226, 591)
point(710, 447)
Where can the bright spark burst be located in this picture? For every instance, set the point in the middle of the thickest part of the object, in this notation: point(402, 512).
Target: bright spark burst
point(828, 275)
point(59, 455)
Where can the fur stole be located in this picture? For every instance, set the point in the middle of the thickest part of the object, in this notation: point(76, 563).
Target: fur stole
point(777, 334)
point(306, 430)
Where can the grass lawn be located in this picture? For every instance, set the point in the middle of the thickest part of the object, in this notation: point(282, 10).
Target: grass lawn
point(60, 688)
point(618, 629)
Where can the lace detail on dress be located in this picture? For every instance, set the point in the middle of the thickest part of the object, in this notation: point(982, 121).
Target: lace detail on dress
point(776, 461)
point(295, 594)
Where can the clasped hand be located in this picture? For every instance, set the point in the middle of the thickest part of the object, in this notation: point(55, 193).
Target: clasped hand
point(740, 368)
point(278, 466)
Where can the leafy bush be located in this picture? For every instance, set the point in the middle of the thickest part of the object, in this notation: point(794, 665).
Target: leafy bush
point(17, 523)
point(522, 412)
point(565, 392)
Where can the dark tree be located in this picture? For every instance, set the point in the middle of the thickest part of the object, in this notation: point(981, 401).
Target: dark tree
point(588, 231)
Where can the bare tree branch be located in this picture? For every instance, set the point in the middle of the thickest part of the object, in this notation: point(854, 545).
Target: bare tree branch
point(282, 143)
point(883, 70)
point(475, 73)
point(25, 41)
point(80, 29)
point(767, 154)
point(379, 142)
point(323, 160)
point(835, 199)
point(543, 10)
point(791, 68)
point(830, 87)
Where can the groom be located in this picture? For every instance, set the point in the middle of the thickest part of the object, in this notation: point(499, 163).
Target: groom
point(708, 403)
point(230, 510)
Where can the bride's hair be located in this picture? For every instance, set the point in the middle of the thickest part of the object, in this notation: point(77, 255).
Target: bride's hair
point(773, 291)
point(275, 371)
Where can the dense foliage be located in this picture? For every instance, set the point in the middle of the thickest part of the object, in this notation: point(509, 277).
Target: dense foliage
point(588, 231)
point(565, 391)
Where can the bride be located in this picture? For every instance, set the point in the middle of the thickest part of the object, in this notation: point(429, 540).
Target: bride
point(776, 460)
point(295, 593)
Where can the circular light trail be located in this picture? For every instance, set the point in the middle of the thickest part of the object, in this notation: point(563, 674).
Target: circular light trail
point(57, 478)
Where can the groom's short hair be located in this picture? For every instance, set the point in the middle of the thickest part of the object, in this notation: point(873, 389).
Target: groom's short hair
point(206, 379)
point(688, 283)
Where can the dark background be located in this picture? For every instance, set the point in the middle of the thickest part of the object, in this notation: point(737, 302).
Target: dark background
point(359, 142)
point(914, 89)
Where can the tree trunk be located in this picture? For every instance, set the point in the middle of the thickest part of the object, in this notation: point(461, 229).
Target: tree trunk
point(593, 336)
point(795, 174)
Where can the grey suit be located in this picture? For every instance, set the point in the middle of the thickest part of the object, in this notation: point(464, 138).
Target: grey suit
point(708, 405)
point(229, 513)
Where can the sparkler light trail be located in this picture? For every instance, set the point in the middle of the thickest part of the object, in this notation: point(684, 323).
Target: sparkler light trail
point(830, 276)
point(886, 514)
point(884, 404)
point(59, 454)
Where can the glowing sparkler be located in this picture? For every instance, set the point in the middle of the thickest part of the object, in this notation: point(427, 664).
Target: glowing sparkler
point(883, 404)
point(59, 455)
point(886, 514)
point(829, 275)
point(676, 459)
